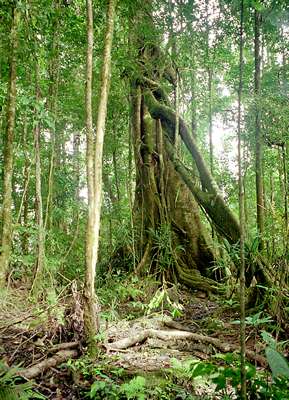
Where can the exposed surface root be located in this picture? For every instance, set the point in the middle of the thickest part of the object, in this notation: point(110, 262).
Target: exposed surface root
point(177, 335)
point(58, 358)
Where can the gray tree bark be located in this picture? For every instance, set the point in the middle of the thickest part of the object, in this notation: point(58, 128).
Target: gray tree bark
point(94, 168)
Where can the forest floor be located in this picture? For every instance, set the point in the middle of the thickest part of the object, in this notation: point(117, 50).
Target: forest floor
point(148, 337)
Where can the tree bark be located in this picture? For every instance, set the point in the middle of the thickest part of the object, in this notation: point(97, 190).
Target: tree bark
point(258, 134)
point(194, 124)
point(170, 239)
point(52, 107)
point(210, 79)
point(285, 164)
point(6, 237)
point(40, 254)
point(94, 168)
point(241, 214)
point(223, 218)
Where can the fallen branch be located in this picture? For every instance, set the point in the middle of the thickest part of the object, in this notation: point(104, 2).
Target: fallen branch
point(63, 346)
point(58, 358)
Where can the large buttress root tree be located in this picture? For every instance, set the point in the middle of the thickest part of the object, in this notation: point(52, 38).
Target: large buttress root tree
point(171, 239)
point(207, 193)
point(166, 213)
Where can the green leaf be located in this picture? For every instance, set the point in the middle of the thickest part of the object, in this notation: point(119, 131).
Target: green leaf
point(258, 6)
point(277, 362)
point(268, 339)
point(202, 369)
point(95, 387)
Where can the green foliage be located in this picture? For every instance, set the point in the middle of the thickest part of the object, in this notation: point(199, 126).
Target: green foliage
point(278, 364)
point(12, 386)
point(112, 383)
point(225, 375)
point(162, 301)
point(256, 320)
point(163, 253)
point(163, 249)
point(119, 289)
point(134, 389)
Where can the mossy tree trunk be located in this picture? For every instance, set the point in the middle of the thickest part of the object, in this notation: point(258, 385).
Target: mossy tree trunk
point(171, 241)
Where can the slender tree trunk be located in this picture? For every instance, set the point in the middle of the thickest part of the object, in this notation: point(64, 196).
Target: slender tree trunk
point(272, 215)
point(40, 255)
point(91, 311)
point(177, 108)
point(116, 175)
point(241, 216)
point(210, 78)
point(26, 176)
point(6, 237)
point(193, 96)
point(52, 106)
point(285, 158)
point(94, 168)
point(246, 211)
point(258, 134)
point(177, 83)
point(27, 167)
point(76, 167)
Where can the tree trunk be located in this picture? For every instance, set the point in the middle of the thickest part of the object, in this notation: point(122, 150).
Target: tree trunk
point(193, 96)
point(285, 164)
point(23, 207)
point(258, 134)
point(52, 107)
point(209, 197)
point(40, 254)
point(6, 237)
point(171, 241)
point(94, 169)
point(241, 215)
point(76, 168)
point(114, 160)
point(210, 79)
